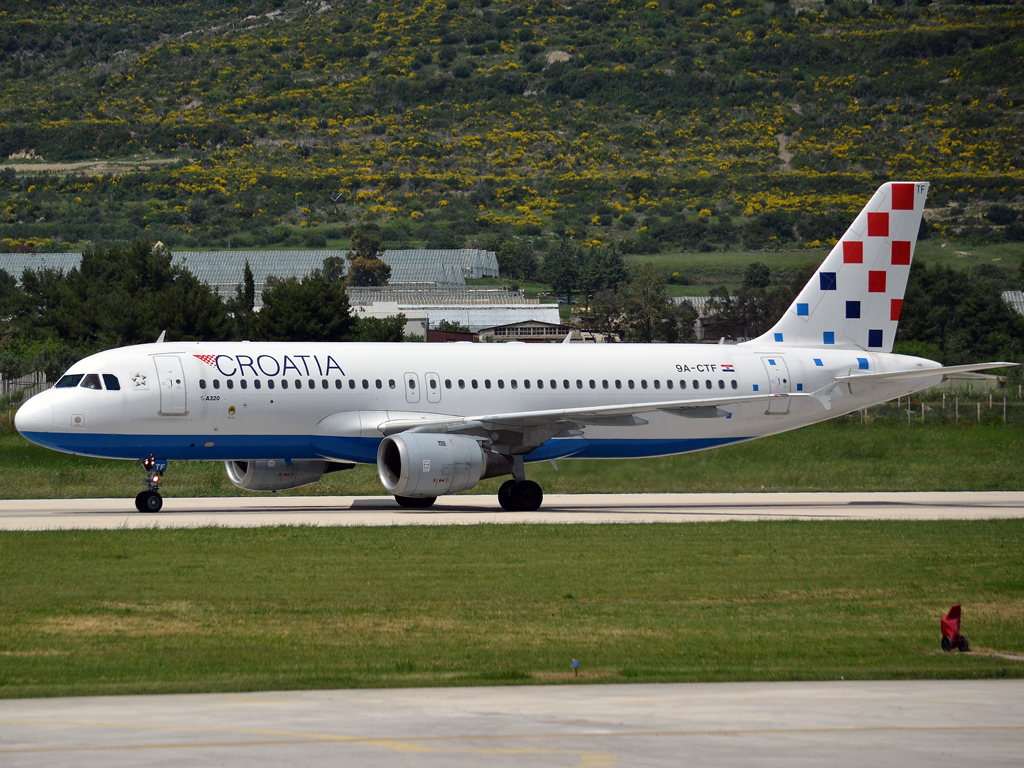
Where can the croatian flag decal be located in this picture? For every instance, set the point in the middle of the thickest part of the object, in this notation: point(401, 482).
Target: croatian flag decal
point(208, 359)
point(727, 368)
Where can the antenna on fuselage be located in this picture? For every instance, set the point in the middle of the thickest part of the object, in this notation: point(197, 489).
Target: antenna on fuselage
point(160, 338)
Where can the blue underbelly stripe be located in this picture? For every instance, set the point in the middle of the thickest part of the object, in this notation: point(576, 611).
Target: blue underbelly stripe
point(359, 449)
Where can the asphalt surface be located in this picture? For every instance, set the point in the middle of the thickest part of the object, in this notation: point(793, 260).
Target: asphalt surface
point(251, 511)
point(841, 723)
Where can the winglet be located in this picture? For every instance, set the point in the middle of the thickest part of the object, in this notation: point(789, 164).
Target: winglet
point(568, 338)
point(160, 339)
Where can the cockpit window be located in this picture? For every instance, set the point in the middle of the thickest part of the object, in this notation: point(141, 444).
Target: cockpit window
point(91, 381)
point(110, 381)
point(71, 380)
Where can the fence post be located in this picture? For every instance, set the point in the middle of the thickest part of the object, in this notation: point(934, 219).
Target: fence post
point(922, 411)
point(943, 402)
point(958, 409)
point(979, 413)
point(1004, 410)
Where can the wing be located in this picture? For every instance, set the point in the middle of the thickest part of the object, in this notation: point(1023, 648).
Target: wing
point(529, 429)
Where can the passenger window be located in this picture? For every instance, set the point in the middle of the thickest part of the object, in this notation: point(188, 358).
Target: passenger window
point(631, 384)
point(216, 383)
point(391, 383)
point(618, 383)
point(682, 384)
point(270, 383)
point(243, 384)
point(721, 384)
point(579, 384)
point(604, 383)
point(540, 383)
point(501, 383)
point(110, 381)
point(734, 384)
point(351, 383)
point(284, 383)
point(447, 383)
point(565, 383)
point(696, 384)
point(298, 383)
point(554, 384)
point(324, 384)
point(474, 384)
point(657, 384)
point(593, 384)
point(337, 383)
point(707, 384)
point(462, 383)
point(515, 384)
point(526, 383)
point(91, 381)
point(379, 384)
point(202, 383)
point(257, 384)
point(668, 383)
point(412, 383)
point(433, 383)
point(230, 383)
point(69, 381)
point(643, 383)
point(487, 383)
point(311, 384)
point(366, 384)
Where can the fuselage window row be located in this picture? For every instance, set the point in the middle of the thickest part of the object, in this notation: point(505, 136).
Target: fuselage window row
point(92, 381)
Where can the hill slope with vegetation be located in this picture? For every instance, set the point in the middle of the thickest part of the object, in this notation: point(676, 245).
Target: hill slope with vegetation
point(653, 125)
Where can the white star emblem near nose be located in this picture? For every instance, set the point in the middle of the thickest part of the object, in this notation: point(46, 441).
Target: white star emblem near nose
point(139, 381)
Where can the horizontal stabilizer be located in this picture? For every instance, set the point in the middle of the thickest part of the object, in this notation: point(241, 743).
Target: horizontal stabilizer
point(918, 373)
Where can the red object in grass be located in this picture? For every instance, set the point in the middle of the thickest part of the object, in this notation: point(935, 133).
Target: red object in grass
point(951, 637)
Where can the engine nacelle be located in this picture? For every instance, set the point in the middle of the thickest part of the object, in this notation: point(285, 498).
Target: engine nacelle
point(279, 474)
point(421, 464)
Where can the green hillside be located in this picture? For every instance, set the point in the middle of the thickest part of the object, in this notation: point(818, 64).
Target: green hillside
point(658, 126)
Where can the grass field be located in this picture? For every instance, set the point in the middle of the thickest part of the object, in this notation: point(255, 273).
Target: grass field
point(834, 456)
point(103, 612)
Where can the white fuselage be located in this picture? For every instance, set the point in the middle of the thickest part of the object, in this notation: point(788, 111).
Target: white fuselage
point(264, 400)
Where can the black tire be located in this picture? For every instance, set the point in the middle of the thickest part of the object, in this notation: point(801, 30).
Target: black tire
point(964, 646)
point(947, 644)
point(505, 495)
point(527, 496)
point(413, 502)
point(149, 501)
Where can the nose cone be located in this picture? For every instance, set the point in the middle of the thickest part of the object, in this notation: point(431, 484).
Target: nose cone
point(34, 416)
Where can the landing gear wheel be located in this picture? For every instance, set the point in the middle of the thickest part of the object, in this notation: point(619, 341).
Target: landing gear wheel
point(149, 501)
point(505, 495)
point(412, 502)
point(526, 496)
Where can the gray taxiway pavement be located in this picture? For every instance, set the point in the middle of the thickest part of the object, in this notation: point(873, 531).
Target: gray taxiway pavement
point(237, 512)
point(852, 723)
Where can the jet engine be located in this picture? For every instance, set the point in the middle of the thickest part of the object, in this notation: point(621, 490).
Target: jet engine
point(423, 465)
point(279, 474)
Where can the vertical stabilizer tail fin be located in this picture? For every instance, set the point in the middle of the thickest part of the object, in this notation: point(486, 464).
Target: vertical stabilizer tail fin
point(855, 297)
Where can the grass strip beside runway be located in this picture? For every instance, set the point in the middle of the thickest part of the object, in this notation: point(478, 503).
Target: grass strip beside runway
point(834, 456)
point(134, 611)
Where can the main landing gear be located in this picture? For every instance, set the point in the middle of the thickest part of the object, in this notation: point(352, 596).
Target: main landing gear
point(519, 494)
point(150, 500)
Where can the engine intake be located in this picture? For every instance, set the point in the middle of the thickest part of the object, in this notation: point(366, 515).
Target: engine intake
point(279, 474)
point(422, 465)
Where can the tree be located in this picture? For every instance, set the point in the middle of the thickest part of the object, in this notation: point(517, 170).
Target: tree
point(516, 259)
point(451, 326)
point(365, 265)
point(562, 269)
point(757, 275)
point(646, 310)
point(313, 309)
point(602, 269)
point(380, 328)
point(242, 304)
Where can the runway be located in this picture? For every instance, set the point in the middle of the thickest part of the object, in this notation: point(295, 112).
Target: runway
point(250, 511)
point(853, 723)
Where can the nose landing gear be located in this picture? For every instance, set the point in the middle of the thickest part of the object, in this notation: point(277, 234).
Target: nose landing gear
point(519, 494)
point(150, 499)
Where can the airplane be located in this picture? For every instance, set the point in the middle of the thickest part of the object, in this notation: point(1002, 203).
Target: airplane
point(438, 419)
